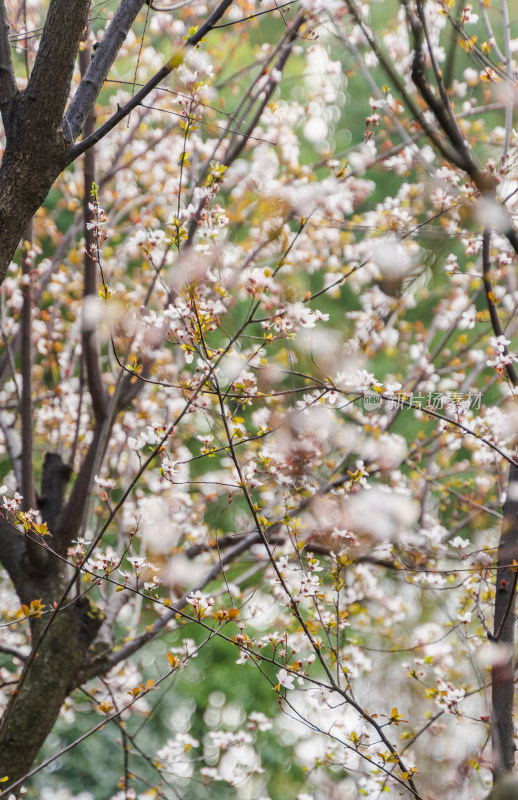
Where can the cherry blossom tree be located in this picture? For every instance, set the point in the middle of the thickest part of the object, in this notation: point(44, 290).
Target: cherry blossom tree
point(257, 376)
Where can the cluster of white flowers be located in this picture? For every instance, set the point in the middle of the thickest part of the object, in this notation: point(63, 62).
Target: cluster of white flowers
point(501, 358)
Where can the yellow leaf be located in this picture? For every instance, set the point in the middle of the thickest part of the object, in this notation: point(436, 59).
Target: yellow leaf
point(175, 61)
point(172, 660)
point(42, 529)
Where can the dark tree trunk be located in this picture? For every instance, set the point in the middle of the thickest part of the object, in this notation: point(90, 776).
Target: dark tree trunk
point(26, 176)
point(503, 672)
point(33, 119)
point(61, 638)
point(51, 677)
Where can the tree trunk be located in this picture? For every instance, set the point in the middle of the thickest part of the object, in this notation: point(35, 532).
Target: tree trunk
point(33, 118)
point(60, 638)
point(51, 677)
point(29, 168)
point(503, 670)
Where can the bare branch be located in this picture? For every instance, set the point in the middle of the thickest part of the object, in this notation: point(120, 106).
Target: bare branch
point(181, 4)
point(490, 32)
point(509, 89)
point(11, 651)
point(89, 338)
point(27, 484)
point(36, 555)
point(457, 153)
point(99, 67)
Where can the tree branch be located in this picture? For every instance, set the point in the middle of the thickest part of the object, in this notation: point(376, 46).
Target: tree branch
point(55, 477)
point(413, 108)
point(98, 69)
point(11, 651)
point(493, 313)
point(62, 33)
point(27, 484)
point(35, 146)
point(237, 143)
point(36, 555)
point(104, 665)
point(7, 80)
point(442, 108)
point(239, 139)
point(174, 62)
point(241, 546)
point(13, 444)
point(12, 552)
point(502, 727)
point(70, 521)
point(505, 600)
point(89, 337)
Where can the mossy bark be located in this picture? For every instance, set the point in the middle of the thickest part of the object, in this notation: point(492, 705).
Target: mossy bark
point(50, 678)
